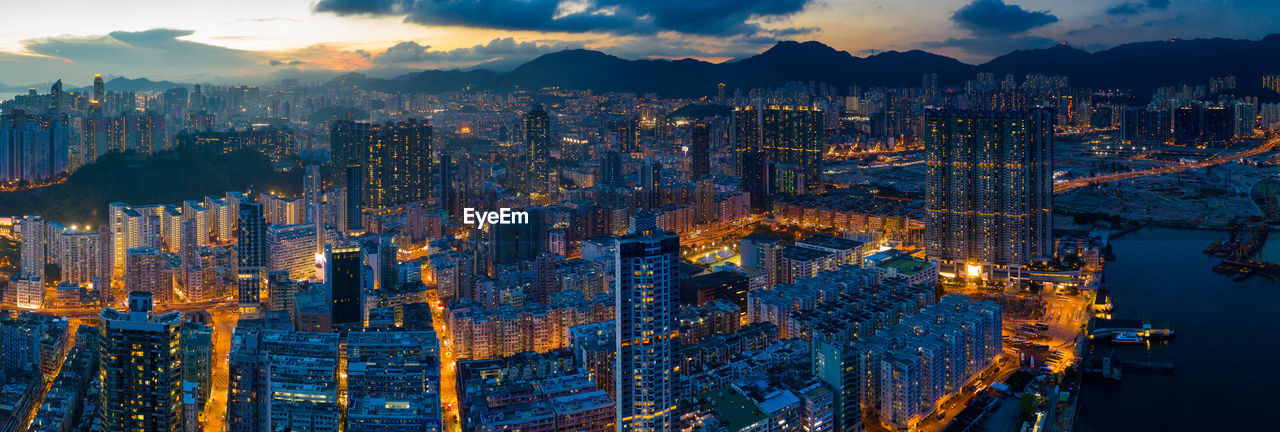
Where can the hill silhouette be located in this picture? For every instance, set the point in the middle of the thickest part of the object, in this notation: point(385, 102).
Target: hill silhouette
point(167, 177)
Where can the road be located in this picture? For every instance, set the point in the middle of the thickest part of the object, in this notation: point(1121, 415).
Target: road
point(448, 366)
point(1266, 146)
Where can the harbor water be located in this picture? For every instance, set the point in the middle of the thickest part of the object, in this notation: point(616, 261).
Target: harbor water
point(1226, 346)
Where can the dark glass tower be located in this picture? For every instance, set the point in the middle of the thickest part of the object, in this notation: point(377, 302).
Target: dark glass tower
point(700, 151)
point(251, 253)
point(342, 285)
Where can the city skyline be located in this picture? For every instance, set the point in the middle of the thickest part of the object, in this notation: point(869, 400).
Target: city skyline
point(185, 41)
point(774, 237)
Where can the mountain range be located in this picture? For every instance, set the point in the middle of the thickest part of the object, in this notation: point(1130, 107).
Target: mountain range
point(1139, 67)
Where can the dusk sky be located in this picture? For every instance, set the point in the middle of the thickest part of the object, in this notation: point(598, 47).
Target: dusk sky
point(259, 40)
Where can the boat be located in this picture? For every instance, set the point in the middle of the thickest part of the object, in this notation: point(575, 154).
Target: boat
point(1126, 337)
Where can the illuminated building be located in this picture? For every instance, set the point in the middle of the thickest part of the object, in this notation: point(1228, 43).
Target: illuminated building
point(283, 380)
point(140, 367)
point(283, 211)
point(25, 291)
point(33, 147)
point(537, 139)
point(393, 381)
point(144, 271)
point(33, 246)
point(989, 191)
point(763, 252)
point(312, 193)
point(647, 290)
point(292, 248)
point(781, 134)
point(394, 160)
point(99, 95)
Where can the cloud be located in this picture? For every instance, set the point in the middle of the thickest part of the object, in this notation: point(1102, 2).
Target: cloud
point(504, 50)
point(992, 46)
point(704, 17)
point(1134, 8)
point(275, 62)
point(995, 17)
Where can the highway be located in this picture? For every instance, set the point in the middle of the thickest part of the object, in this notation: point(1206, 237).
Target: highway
point(1266, 146)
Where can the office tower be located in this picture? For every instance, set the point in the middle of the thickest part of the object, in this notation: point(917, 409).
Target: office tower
point(57, 100)
point(251, 255)
point(312, 192)
point(33, 250)
point(291, 248)
point(704, 211)
point(99, 95)
point(342, 284)
point(699, 152)
point(646, 295)
point(782, 134)
point(143, 273)
point(140, 367)
point(989, 196)
point(537, 140)
point(394, 160)
point(283, 380)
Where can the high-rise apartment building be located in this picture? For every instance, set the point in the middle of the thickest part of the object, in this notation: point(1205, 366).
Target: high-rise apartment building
point(781, 134)
point(537, 140)
point(989, 192)
point(647, 293)
point(140, 368)
point(394, 160)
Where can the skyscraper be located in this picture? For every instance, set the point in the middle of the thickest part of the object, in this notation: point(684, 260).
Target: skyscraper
point(312, 191)
point(33, 248)
point(354, 204)
point(989, 192)
point(251, 252)
point(700, 152)
point(342, 284)
point(99, 95)
point(646, 302)
point(537, 139)
point(394, 160)
point(140, 366)
point(781, 134)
